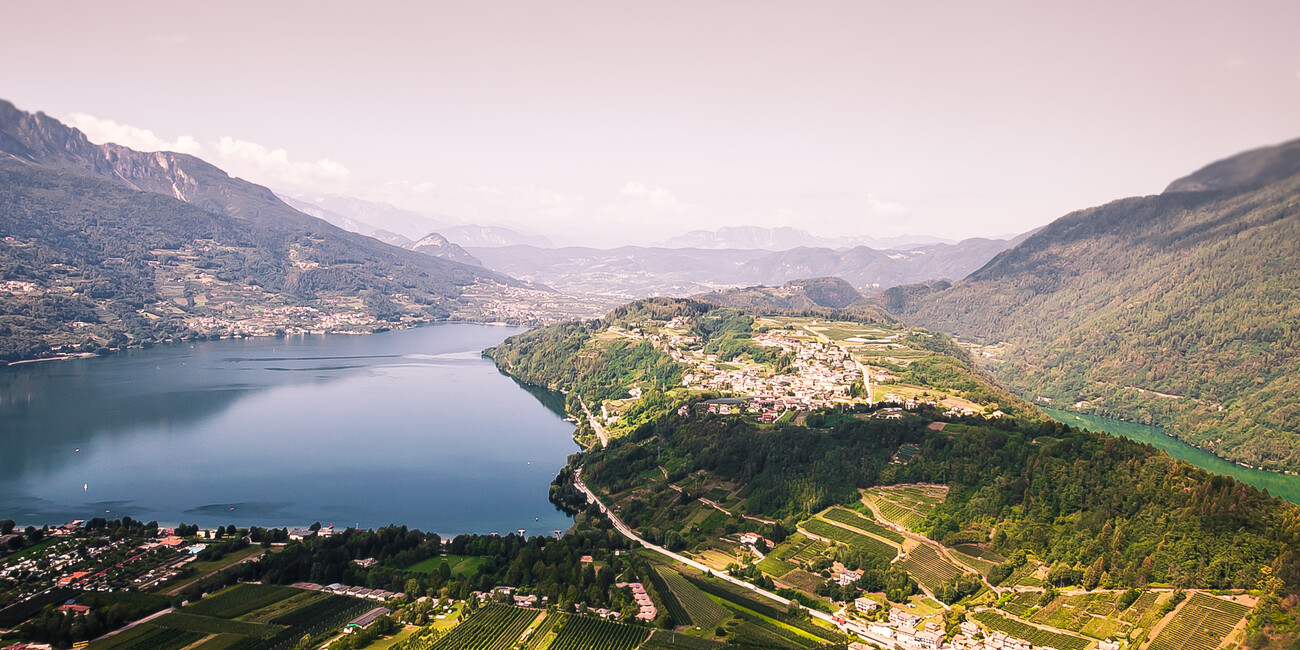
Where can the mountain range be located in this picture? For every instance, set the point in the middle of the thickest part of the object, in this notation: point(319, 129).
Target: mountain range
point(639, 271)
point(786, 237)
point(1180, 309)
point(399, 227)
point(104, 246)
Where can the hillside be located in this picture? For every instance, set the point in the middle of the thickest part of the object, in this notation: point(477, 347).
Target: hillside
point(1181, 309)
point(795, 295)
point(104, 246)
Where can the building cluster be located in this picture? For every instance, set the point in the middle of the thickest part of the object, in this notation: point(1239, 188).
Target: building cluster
point(648, 610)
point(348, 590)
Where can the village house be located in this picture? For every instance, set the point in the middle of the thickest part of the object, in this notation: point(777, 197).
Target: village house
point(865, 605)
point(849, 577)
point(366, 620)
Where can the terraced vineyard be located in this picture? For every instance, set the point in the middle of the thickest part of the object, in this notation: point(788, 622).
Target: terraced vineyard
point(858, 541)
point(899, 515)
point(493, 627)
point(850, 518)
point(704, 610)
point(583, 632)
point(1036, 636)
point(907, 505)
point(1021, 603)
point(775, 567)
point(1093, 615)
point(1201, 624)
point(929, 568)
point(210, 625)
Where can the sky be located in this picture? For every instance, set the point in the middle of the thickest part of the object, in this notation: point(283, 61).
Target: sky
point(607, 123)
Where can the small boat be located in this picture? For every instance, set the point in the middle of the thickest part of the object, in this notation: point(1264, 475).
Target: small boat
point(85, 487)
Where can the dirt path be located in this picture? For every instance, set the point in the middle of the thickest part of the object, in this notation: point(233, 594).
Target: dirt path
point(921, 539)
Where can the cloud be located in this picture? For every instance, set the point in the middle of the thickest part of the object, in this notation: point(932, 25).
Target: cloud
point(274, 167)
point(877, 206)
point(101, 131)
point(248, 160)
point(657, 197)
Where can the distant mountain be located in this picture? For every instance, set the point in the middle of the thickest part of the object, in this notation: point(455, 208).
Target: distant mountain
point(1181, 309)
point(637, 271)
point(491, 236)
point(368, 217)
point(786, 238)
point(438, 246)
point(103, 246)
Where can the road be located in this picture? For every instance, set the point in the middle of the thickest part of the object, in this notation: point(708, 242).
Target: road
point(631, 534)
point(595, 424)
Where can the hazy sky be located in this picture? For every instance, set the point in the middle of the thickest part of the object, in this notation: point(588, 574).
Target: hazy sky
point(616, 122)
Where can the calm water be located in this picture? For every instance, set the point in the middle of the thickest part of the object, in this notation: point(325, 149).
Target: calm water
point(409, 427)
point(1277, 484)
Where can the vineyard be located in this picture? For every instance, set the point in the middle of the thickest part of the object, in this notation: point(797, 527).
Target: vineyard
point(1201, 624)
point(494, 627)
point(581, 632)
point(538, 637)
point(1022, 602)
point(857, 541)
point(1092, 615)
point(240, 599)
point(774, 567)
point(929, 568)
point(210, 625)
point(705, 612)
point(850, 518)
point(1036, 636)
point(149, 637)
point(907, 505)
point(678, 613)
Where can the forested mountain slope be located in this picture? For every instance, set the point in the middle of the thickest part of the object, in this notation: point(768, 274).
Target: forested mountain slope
point(1181, 309)
point(102, 246)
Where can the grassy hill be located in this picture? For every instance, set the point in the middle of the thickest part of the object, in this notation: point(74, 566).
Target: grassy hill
point(1181, 309)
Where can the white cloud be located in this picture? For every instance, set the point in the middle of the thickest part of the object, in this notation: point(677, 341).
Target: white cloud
point(657, 197)
point(273, 167)
point(248, 160)
point(877, 206)
point(101, 131)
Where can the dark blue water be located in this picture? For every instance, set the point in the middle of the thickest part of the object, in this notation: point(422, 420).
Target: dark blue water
point(408, 427)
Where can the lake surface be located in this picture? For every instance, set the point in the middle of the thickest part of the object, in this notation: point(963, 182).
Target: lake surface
point(1277, 484)
point(408, 427)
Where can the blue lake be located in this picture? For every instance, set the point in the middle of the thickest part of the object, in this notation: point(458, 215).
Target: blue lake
point(409, 427)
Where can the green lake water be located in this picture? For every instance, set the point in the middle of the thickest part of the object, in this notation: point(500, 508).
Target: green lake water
point(1277, 484)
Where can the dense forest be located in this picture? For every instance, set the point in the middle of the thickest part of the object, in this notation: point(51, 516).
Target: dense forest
point(1100, 510)
point(1181, 310)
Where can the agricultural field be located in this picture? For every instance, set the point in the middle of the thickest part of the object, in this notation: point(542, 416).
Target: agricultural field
point(906, 505)
point(1201, 624)
point(803, 580)
point(148, 637)
point(1036, 636)
point(864, 524)
point(706, 613)
point(822, 528)
point(929, 568)
point(775, 567)
point(977, 552)
point(574, 632)
point(1021, 603)
point(240, 599)
point(209, 625)
point(493, 627)
point(679, 614)
point(765, 614)
point(669, 640)
point(460, 565)
point(1092, 615)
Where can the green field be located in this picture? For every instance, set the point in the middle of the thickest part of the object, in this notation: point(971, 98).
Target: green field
point(1201, 624)
point(461, 565)
point(706, 613)
point(574, 632)
point(1034, 635)
point(679, 614)
point(492, 627)
point(775, 567)
point(929, 568)
point(240, 599)
point(850, 518)
point(148, 637)
point(858, 541)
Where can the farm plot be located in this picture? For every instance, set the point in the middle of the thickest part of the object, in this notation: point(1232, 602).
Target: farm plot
point(1021, 603)
point(1201, 624)
point(850, 518)
point(494, 627)
point(1088, 614)
point(704, 611)
point(803, 580)
point(240, 599)
point(1036, 636)
point(858, 541)
point(678, 613)
point(149, 637)
point(775, 567)
point(211, 625)
point(929, 568)
point(582, 632)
